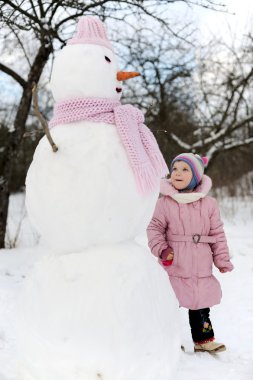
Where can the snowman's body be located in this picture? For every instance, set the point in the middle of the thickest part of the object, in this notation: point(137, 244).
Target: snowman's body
point(107, 312)
point(105, 309)
point(91, 196)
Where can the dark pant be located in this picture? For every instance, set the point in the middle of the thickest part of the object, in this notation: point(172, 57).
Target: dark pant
point(201, 327)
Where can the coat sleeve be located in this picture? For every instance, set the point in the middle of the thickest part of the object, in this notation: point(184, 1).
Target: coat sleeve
point(156, 230)
point(220, 250)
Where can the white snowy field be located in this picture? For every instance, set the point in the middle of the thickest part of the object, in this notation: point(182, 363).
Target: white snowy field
point(232, 319)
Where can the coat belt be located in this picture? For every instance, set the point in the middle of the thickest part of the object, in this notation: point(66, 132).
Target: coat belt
point(195, 238)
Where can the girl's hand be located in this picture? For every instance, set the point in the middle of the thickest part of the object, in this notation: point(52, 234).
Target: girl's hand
point(223, 270)
point(170, 256)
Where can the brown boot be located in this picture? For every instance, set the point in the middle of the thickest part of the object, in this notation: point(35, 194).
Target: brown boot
point(211, 347)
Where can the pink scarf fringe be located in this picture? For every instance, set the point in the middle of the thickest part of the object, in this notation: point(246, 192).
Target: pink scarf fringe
point(142, 150)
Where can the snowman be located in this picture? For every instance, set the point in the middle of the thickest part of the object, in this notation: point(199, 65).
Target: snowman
point(97, 305)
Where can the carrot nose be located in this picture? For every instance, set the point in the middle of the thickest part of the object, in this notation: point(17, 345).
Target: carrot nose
point(124, 75)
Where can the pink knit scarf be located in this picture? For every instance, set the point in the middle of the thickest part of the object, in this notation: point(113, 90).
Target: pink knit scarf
point(141, 147)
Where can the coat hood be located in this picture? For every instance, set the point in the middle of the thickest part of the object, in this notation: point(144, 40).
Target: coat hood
point(201, 190)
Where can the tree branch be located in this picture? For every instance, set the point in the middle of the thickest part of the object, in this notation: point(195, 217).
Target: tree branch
point(42, 12)
point(33, 8)
point(41, 118)
point(233, 143)
point(180, 142)
point(13, 74)
point(21, 10)
point(21, 44)
point(85, 9)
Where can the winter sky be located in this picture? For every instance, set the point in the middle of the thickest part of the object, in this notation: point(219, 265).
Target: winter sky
point(225, 25)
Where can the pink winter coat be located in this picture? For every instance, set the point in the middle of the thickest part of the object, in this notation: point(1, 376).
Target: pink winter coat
point(190, 224)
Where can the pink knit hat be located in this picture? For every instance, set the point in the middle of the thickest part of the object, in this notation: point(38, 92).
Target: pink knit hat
point(90, 30)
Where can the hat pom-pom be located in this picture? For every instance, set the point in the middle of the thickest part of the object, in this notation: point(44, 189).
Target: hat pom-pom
point(205, 161)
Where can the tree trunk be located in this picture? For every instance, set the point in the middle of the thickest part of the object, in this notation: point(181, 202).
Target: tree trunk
point(4, 202)
point(15, 138)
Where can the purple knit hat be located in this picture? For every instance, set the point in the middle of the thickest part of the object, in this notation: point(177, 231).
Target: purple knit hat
point(197, 165)
point(90, 30)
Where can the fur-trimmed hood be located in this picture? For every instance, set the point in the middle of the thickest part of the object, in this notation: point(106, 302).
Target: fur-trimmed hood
point(201, 190)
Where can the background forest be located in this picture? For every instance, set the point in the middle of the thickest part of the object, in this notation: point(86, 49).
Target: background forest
point(196, 96)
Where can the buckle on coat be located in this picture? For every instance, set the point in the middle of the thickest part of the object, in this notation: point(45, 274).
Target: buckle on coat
point(196, 238)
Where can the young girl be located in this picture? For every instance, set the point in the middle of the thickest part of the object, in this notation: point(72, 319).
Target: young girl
point(187, 236)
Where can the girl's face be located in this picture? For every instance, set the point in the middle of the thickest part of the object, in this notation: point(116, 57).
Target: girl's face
point(181, 175)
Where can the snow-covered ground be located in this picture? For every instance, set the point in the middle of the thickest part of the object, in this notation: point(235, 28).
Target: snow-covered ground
point(232, 320)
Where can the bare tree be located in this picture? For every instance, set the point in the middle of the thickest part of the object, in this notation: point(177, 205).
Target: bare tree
point(223, 101)
point(164, 87)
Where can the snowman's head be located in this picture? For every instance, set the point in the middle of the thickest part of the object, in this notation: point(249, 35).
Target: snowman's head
point(85, 71)
point(87, 66)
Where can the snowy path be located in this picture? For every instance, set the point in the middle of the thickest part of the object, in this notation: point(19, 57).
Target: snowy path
point(232, 320)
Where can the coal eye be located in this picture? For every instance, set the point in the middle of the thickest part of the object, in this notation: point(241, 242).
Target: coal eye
point(107, 59)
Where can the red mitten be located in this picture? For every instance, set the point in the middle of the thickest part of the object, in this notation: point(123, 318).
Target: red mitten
point(167, 263)
point(164, 255)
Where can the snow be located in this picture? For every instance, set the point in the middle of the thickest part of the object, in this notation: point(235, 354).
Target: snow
point(232, 320)
point(86, 73)
point(114, 300)
point(98, 311)
point(99, 193)
point(19, 232)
